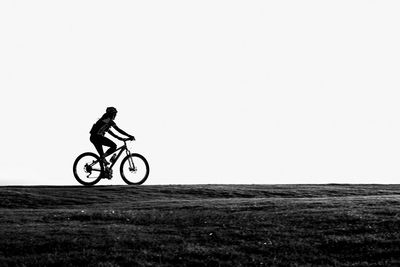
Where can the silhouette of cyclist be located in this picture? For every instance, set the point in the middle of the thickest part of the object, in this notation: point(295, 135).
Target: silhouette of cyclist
point(99, 129)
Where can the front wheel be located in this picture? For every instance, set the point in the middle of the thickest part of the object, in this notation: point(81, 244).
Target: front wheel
point(134, 169)
point(87, 169)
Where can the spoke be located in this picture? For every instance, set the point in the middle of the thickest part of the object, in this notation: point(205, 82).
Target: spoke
point(87, 169)
point(134, 170)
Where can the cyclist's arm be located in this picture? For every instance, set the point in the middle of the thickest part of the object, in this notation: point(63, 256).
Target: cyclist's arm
point(114, 135)
point(122, 132)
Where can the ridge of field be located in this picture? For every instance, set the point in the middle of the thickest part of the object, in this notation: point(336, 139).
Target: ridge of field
point(66, 196)
point(200, 225)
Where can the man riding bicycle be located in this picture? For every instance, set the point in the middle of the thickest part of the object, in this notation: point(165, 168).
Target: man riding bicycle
point(99, 129)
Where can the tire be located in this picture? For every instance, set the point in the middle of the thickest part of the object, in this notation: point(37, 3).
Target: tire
point(82, 169)
point(135, 176)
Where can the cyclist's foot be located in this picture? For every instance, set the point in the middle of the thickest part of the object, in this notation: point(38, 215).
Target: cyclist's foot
point(106, 174)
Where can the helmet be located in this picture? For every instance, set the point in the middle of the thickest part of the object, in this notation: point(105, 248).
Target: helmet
point(111, 110)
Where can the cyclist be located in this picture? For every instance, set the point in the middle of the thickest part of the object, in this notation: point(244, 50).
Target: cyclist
point(99, 129)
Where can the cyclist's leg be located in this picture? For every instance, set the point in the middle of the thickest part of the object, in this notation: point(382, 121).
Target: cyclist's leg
point(100, 141)
point(112, 146)
point(97, 144)
point(97, 141)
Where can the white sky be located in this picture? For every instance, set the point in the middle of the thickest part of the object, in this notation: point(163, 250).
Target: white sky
point(214, 91)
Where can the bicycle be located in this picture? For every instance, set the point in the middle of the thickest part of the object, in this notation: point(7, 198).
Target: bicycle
point(88, 169)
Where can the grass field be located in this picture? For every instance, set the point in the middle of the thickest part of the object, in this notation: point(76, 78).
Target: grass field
point(201, 225)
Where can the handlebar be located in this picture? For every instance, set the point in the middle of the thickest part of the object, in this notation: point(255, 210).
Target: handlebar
point(128, 139)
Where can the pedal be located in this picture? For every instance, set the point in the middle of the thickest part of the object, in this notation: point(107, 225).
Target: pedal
point(108, 174)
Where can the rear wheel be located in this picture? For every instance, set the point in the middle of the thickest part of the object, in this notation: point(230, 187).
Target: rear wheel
point(134, 169)
point(87, 169)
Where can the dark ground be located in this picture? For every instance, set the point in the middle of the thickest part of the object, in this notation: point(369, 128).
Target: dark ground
point(200, 225)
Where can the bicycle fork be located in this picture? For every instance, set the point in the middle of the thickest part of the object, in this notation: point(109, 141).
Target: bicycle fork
point(132, 167)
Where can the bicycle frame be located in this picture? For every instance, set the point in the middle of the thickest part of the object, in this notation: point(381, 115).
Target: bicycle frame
point(89, 168)
point(122, 149)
